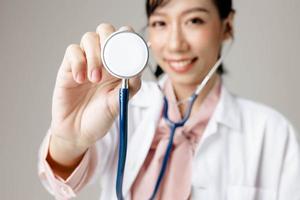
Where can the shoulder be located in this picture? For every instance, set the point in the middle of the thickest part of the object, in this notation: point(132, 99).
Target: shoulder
point(256, 113)
point(258, 119)
point(260, 112)
point(263, 141)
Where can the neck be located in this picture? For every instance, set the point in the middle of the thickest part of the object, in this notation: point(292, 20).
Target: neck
point(184, 91)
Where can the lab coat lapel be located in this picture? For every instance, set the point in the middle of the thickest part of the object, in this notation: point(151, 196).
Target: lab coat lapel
point(226, 114)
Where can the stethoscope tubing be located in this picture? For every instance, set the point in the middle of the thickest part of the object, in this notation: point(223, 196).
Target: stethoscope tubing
point(123, 135)
point(173, 126)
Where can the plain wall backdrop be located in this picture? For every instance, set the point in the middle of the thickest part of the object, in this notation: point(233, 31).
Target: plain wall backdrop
point(262, 66)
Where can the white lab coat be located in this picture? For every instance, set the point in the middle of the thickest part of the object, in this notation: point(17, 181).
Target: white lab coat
point(248, 151)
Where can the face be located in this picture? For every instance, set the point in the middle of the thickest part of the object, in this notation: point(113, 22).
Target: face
point(186, 37)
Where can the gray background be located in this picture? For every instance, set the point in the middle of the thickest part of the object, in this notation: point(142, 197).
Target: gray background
point(262, 66)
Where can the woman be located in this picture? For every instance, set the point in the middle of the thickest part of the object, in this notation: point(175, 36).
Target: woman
point(230, 148)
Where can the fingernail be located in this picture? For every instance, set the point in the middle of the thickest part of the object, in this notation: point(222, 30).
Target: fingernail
point(95, 75)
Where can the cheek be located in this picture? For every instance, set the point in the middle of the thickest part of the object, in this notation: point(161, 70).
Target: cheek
point(204, 40)
point(206, 44)
point(156, 44)
point(154, 37)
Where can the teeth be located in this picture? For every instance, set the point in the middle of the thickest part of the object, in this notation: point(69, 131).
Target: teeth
point(180, 64)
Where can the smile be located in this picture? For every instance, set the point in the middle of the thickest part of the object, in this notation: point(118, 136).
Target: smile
point(182, 65)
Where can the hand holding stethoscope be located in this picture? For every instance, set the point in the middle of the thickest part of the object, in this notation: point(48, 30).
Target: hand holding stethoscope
point(85, 99)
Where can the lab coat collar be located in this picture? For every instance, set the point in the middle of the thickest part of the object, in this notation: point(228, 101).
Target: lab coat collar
point(227, 111)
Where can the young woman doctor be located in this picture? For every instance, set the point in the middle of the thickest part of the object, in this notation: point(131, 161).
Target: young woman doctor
point(230, 148)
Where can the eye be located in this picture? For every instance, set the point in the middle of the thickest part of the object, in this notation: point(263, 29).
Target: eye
point(196, 21)
point(157, 24)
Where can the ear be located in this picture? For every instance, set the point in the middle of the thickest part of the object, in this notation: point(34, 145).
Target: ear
point(228, 30)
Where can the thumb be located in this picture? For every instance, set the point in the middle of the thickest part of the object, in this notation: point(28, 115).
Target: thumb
point(134, 85)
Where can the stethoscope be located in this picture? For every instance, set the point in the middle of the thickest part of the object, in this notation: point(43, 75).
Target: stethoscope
point(125, 55)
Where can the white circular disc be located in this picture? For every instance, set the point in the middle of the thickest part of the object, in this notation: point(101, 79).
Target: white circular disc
point(125, 54)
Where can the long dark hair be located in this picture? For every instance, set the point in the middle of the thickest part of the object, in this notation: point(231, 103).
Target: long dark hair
point(224, 8)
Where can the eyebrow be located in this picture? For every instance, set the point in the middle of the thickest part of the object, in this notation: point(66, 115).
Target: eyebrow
point(196, 9)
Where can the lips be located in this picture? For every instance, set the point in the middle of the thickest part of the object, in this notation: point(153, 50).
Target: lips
point(181, 65)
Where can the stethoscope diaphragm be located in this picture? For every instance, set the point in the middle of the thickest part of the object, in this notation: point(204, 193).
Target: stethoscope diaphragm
point(125, 54)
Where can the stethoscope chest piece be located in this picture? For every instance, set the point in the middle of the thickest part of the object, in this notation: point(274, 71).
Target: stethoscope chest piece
point(125, 54)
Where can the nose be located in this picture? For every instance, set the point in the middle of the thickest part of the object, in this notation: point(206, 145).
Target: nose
point(177, 41)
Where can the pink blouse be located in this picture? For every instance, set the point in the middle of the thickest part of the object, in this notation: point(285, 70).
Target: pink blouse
point(176, 184)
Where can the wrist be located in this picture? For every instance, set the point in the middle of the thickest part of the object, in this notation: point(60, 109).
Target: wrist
point(64, 152)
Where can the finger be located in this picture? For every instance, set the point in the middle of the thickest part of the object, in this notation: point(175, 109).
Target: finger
point(126, 28)
point(104, 31)
point(90, 45)
point(75, 62)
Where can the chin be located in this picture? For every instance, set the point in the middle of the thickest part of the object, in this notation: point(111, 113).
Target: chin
point(187, 79)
